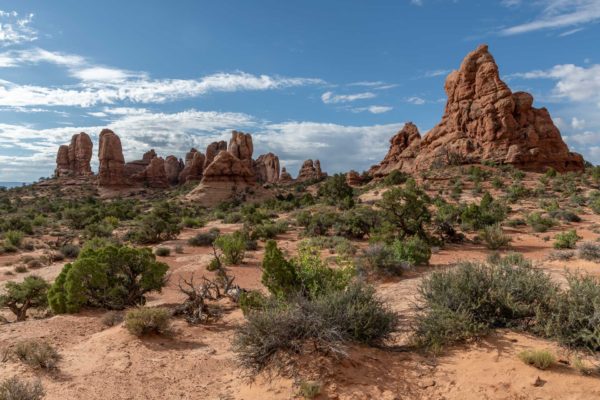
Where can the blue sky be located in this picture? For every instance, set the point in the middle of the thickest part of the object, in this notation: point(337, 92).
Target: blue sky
point(332, 80)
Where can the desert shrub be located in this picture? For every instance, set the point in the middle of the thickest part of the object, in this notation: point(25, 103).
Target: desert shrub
point(251, 301)
point(70, 250)
point(395, 178)
point(512, 259)
point(34, 264)
point(160, 224)
point(205, 238)
point(179, 249)
point(327, 322)
point(111, 277)
point(233, 218)
point(550, 172)
point(515, 222)
point(408, 209)
point(21, 268)
point(37, 354)
point(19, 297)
point(266, 231)
point(16, 223)
point(589, 251)
point(487, 212)
point(380, 258)
point(539, 223)
point(565, 215)
point(473, 298)
point(233, 247)
point(541, 359)
point(99, 229)
point(566, 240)
point(413, 251)
point(145, 320)
point(315, 277)
point(13, 238)
point(309, 389)
point(357, 222)
point(193, 222)
point(494, 237)
point(561, 255)
point(17, 389)
point(497, 182)
point(336, 191)
point(574, 319)
point(516, 191)
point(112, 318)
point(318, 223)
point(162, 251)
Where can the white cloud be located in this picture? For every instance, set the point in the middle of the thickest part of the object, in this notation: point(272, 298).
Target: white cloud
point(373, 109)
point(416, 2)
point(556, 14)
point(105, 74)
point(577, 123)
point(331, 98)
point(15, 58)
point(416, 100)
point(570, 32)
point(437, 72)
point(15, 29)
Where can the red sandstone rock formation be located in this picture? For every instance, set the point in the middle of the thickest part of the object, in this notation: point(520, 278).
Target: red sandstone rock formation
point(240, 145)
point(74, 159)
point(154, 175)
point(110, 154)
point(285, 176)
point(484, 120)
point(353, 178)
point(404, 147)
point(212, 150)
point(266, 167)
point(194, 165)
point(310, 171)
point(138, 167)
point(173, 167)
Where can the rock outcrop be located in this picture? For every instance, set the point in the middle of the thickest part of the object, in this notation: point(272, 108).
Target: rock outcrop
point(484, 121)
point(353, 178)
point(74, 159)
point(173, 167)
point(138, 167)
point(212, 150)
point(240, 145)
point(404, 148)
point(310, 171)
point(194, 165)
point(112, 164)
point(154, 175)
point(285, 177)
point(266, 168)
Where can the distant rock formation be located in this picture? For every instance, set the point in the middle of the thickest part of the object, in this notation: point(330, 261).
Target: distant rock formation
point(285, 176)
point(74, 159)
point(212, 150)
point(353, 178)
point(154, 175)
point(173, 167)
point(139, 166)
point(404, 148)
point(112, 163)
point(240, 145)
point(310, 171)
point(484, 121)
point(194, 166)
point(266, 168)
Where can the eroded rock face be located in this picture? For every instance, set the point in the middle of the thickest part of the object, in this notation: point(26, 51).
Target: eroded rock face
point(194, 166)
point(138, 167)
point(74, 159)
point(483, 120)
point(266, 167)
point(404, 148)
point(240, 145)
point(154, 175)
point(112, 164)
point(173, 167)
point(285, 177)
point(212, 150)
point(310, 171)
point(353, 178)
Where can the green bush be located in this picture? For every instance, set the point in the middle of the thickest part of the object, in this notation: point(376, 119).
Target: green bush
point(487, 212)
point(279, 275)
point(327, 322)
point(473, 298)
point(233, 247)
point(566, 240)
point(336, 191)
point(589, 251)
point(357, 222)
point(408, 209)
point(19, 297)
point(111, 277)
point(70, 251)
point(16, 389)
point(380, 258)
point(494, 237)
point(395, 178)
point(100, 229)
point(191, 222)
point(315, 277)
point(145, 320)
point(162, 223)
point(413, 250)
point(13, 238)
point(37, 354)
point(541, 359)
point(162, 251)
point(205, 238)
point(539, 223)
point(251, 301)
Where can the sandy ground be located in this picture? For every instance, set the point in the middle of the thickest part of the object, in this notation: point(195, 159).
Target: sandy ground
point(197, 362)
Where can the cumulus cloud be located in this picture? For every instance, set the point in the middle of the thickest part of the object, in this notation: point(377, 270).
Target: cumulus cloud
point(373, 109)
point(16, 29)
point(331, 98)
point(556, 14)
point(416, 100)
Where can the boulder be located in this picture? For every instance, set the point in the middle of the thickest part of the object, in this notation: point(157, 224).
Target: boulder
point(484, 121)
point(266, 168)
point(404, 148)
point(112, 164)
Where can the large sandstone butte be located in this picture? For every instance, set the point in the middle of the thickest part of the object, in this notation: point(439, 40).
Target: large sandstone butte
point(194, 165)
point(310, 171)
point(74, 159)
point(404, 148)
point(112, 163)
point(266, 167)
point(485, 121)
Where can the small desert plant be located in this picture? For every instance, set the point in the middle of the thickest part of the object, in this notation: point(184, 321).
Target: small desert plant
point(16, 389)
point(413, 250)
point(566, 240)
point(13, 238)
point(561, 255)
point(252, 300)
point(112, 318)
point(233, 247)
point(309, 389)
point(162, 251)
point(179, 249)
point(37, 354)
point(494, 237)
point(541, 359)
point(589, 251)
point(20, 269)
point(145, 320)
point(205, 238)
point(70, 250)
point(380, 258)
point(539, 223)
point(19, 297)
point(581, 366)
